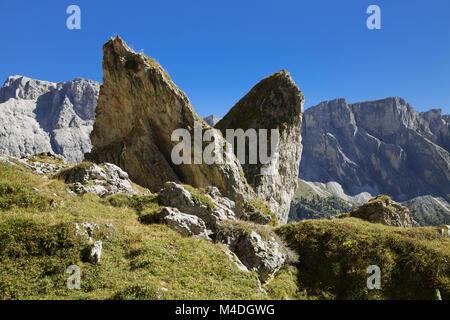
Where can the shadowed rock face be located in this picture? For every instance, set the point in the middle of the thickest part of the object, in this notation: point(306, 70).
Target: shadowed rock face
point(274, 103)
point(138, 109)
point(381, 146)
point(40, 116)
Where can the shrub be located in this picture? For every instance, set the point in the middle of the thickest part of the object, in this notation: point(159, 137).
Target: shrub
point(199, 197)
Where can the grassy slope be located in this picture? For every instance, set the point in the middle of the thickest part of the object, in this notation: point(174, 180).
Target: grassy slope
point(138, 260)
point(38, 242)
point(334, 256)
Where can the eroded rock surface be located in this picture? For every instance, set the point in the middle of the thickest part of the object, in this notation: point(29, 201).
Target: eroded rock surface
point(275, 102)
point(377, 147)
point(257, 247)
point(41, 116)
point(185, 224)
point(139, 108)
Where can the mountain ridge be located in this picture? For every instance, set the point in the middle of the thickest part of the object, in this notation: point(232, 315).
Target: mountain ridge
point(41, 116)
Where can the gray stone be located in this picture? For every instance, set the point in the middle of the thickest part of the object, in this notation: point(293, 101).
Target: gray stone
point(185, 224)
point(378, 147)
point(106, 179)
point(211, 120)
point(257, 247)
point(175, 195)
point(96, 251)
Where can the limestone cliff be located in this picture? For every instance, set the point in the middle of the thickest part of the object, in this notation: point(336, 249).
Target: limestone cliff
point(41, 116)
point(357, 151)
point(274, 103)
point(138, 109)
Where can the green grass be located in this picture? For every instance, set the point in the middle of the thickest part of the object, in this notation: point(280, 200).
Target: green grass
point(334, 256)
point(145, 260)
point(199, 197)
point(138, 259)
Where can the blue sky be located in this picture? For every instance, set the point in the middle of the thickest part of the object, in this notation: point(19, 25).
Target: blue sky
point(216, 51)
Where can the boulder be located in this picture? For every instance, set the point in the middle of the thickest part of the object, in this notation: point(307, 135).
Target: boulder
point(185, 224)
point(96, 251)
point(384, 210)
point(203, 205)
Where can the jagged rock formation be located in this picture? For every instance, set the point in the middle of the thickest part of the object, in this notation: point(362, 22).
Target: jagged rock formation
point(274, 103)
point(211, 120)
point(213, 209)
point(40, 116)
point(384, 210)
point(356, 151)
point(139, 108)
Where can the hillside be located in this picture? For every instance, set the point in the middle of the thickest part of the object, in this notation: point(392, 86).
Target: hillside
point(38, 241)
point(41, 219)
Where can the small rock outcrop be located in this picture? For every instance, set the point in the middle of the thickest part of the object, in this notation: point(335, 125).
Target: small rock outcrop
point(384, 210)
point(210, 206)
point(275, 102)
point(40, 116)
point(185, 224)
point(96, 251)
point(139, 108)
point(102, 180)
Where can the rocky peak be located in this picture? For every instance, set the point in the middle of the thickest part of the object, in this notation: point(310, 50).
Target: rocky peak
point(211, 120)
point(275, 102)
point(20, 87)
point(139, 108)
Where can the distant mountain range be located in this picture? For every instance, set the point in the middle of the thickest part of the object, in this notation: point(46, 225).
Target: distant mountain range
point(351, 152)
point(40, 116)
point(356, 151)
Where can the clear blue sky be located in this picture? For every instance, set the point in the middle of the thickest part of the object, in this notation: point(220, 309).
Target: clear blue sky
point(217, 50)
